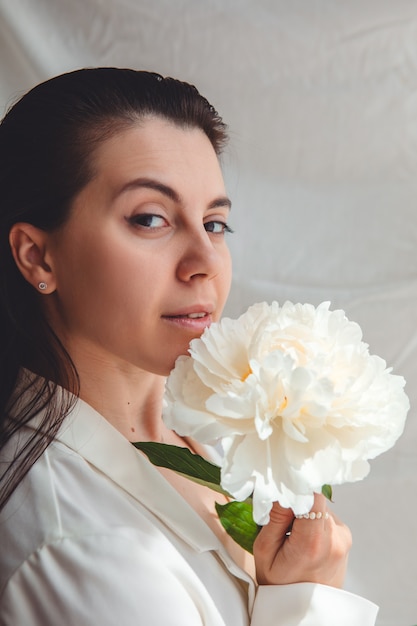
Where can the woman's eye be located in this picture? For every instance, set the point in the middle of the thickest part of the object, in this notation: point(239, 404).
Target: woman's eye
point(147, 220)
point(217, 227)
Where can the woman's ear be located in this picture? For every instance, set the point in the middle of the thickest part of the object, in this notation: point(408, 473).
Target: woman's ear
point(30, 252)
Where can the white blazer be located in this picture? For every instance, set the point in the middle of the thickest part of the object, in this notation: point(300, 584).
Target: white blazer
point(94, 535)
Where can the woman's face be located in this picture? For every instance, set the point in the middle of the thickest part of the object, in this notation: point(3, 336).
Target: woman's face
point(142, 265)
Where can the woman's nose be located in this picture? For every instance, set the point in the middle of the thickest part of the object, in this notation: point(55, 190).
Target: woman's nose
point(200, 256)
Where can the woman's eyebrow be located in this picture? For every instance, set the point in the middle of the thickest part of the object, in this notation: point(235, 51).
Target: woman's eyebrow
point(149, 183)
point(169, 192)
point(221, 202)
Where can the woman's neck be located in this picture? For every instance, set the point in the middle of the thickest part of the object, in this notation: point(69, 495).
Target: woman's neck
point(131, 402)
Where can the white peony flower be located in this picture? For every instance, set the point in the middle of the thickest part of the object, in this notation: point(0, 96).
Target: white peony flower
point(294, 396)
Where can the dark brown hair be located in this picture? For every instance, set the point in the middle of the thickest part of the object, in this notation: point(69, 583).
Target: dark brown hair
point(47, 140)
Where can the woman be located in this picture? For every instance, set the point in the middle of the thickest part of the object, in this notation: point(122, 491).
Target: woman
point(113, 252)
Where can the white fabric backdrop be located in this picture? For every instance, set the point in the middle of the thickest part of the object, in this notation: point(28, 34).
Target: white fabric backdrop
point(321, 100)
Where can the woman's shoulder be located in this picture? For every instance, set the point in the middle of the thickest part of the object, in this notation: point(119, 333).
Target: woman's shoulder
point(62, 495)
point(66, 516)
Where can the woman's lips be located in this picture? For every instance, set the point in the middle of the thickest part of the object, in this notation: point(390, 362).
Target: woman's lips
point(197, 321)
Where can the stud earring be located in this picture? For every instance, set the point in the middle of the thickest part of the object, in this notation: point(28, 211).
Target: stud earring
point(42, 286)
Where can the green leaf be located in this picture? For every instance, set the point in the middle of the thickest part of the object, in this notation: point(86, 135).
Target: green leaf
point(237, 520)
point(327, 491)
point(184, 462)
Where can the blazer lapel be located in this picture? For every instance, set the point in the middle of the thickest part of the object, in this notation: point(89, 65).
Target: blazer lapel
point(89, 434)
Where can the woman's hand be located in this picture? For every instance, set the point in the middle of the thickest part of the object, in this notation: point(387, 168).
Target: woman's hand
point(315, 551)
